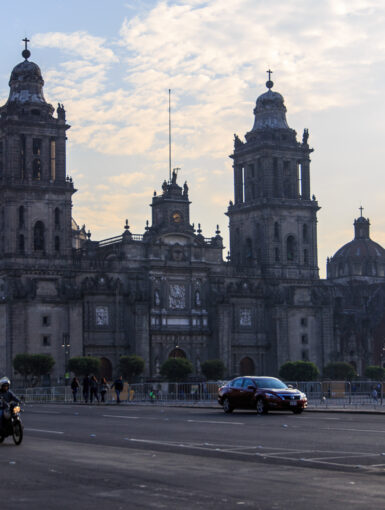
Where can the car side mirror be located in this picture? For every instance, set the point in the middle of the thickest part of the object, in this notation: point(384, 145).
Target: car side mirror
point(251, 387)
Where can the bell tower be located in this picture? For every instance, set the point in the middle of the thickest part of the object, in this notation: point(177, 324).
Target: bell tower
point(273, 222)
point(35, 198)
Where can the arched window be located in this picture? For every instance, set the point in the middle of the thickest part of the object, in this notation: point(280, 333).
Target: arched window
point(290, 248)
point(305, 257)
point(21, 243)
point(276, 231)
point(36, 170)
point(21, 216)
point(57, 217)
point(38, 236)
point(156, 297)
point(57, 243)
point(197, 299)
point(248, 250)
point(276, 254)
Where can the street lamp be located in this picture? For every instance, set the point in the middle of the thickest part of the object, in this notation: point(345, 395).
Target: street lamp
point(66, 346)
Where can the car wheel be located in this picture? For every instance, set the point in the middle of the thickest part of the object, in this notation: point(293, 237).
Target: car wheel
point(261, 406)
point(17, 433)
point(299, 410)
point(227, 407)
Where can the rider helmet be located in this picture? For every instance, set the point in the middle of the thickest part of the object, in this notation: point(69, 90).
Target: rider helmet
point(4, 381)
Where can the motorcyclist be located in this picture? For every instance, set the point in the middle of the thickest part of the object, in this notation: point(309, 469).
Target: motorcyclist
point(6, 395)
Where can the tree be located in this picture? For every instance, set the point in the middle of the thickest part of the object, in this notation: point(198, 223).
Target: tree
point(299, 371)
point(131, 366)
point(176, 369)
point(339, 371)
point(213, 369)
point(84, 365)
point(33, 365)
point(375, 373)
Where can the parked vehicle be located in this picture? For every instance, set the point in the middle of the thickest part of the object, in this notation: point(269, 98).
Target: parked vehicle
point(262, 394)
point(11, 423)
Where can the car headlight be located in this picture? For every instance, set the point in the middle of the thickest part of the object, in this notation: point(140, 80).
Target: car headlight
point(270, 395)
point(303, 395)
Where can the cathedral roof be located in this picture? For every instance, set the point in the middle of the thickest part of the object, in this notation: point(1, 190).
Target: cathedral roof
point(26, 83)
point(270, 110)
point(360, 257)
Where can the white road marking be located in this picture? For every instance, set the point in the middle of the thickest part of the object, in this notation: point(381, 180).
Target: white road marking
point(217, 422)
point(355, 430)
point(118, 416)
point(45, 431)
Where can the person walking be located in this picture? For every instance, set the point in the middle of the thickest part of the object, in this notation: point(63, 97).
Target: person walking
point(94, 389)
point(75, 387)
point(103, 388)
point(118, 385)
point(86, 388)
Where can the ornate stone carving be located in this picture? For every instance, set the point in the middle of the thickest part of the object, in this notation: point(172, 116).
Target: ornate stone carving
point(177, 296)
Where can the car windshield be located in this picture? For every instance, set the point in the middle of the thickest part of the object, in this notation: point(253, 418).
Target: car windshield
point(270, 382)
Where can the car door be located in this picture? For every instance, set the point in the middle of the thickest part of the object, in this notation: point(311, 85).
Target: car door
point(247, 394)
point(235, 394)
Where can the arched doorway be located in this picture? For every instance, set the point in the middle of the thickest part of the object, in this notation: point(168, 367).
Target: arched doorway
point(246, 366)
point(177, 353)
point(106, 368)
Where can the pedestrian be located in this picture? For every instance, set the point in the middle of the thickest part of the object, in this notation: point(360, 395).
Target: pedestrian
point(152, 395)
point(103, 388)
point(94, 389)
point(374, 394)
point(86, 388)
point(131, 394)
point(75, 387)
point(118, 385)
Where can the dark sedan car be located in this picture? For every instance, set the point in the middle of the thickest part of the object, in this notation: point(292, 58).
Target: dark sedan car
point(262, 394)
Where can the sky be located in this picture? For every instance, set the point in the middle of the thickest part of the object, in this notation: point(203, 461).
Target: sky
point(112, 63)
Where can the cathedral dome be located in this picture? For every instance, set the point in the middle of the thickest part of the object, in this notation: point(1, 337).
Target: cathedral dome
point(26, 83)
point(270, 110)
point(361, 257)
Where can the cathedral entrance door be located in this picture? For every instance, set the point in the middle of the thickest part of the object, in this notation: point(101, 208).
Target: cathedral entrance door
point(106, 368)
point(246, 366)
point(177, 353)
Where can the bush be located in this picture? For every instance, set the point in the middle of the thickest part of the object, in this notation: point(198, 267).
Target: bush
point(176, 369)
point(299, 371)
point(33, 365)
point(375, 373)
point(131, 366)
point(213, 369)
point(84, 365)
point(339, 371)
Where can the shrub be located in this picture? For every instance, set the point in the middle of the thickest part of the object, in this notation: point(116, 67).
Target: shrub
point(33, 365)
point(213, 369)
point(131, 366)
point(299, 371)
point(84, 365)
point(176, 369)
point(339, 371)
point(375, 373)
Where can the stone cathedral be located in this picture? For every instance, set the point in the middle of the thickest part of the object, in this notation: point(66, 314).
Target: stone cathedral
point(168, 292)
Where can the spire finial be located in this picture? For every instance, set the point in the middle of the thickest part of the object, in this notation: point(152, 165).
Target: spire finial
point(361, 209)
point(26, 53)
point(269, 83)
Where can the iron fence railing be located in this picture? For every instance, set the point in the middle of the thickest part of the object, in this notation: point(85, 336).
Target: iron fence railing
point(320, 393)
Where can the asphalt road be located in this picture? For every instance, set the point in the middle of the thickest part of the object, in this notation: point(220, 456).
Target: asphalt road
point(137, 457)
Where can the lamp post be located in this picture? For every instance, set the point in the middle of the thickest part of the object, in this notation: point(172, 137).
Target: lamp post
point(66, 346)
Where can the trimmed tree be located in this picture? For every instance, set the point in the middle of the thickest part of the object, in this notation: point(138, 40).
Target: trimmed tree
point(176, 369)
point(131, 366)
point(299, 371)
point(339, 371)
point(33, 365)
point(84, 365)
point(375, 373)
point(213, 369)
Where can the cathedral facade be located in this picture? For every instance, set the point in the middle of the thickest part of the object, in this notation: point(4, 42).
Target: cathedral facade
point(168, 292)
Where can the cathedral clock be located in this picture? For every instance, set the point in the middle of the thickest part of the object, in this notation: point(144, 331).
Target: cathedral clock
point(176, 217)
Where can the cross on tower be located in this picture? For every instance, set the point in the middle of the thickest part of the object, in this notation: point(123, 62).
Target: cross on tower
point(269, 73)
point(26, 41)
point(361, 209)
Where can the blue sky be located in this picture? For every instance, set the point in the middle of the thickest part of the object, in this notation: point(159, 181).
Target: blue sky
point(112, 63)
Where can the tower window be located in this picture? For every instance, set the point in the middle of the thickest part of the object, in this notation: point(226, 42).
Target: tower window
point(57, 217)
point(36, 146)
point(46, 340)
point(45, 320)
point(276, 254)
point(53, 159)
point(290, 248)
point(38, 236)
point(22, 156)
point(304, 340)
point(21, 243)
point(36, 169)
point(276, 231)
point(303, 321)
point(57, 243)
point(305, 257)
point(305, 355)
point(21, 216)
point(305, 236)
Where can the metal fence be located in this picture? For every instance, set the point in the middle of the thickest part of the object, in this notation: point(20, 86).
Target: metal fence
point(320, 393)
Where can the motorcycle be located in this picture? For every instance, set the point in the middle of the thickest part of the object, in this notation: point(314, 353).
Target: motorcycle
point(11, 423)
